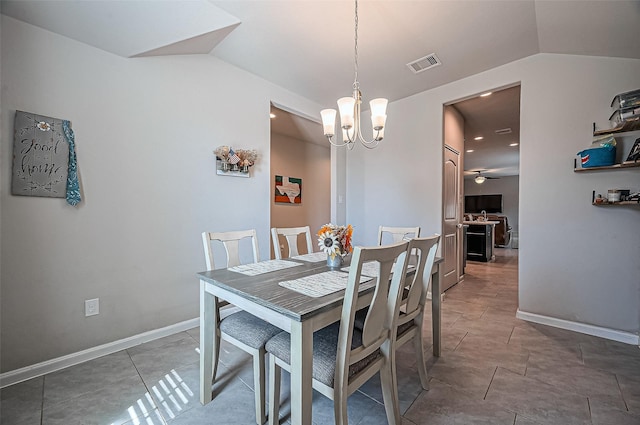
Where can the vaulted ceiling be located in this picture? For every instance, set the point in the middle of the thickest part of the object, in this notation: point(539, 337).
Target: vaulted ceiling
point(308, 46)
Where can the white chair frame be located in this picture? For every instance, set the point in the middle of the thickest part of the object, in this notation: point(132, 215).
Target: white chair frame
point(398, 233)
point(231, 241)
point(412, 306)
point(291, 235)
point(376, 334)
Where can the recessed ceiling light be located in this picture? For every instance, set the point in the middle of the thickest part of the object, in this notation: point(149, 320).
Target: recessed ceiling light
point(272, 115)
point(478, 138)
point(469, 150)
point(514, 144)
point(486, 94)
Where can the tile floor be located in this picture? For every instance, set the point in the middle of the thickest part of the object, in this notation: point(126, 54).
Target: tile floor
point(495, 369)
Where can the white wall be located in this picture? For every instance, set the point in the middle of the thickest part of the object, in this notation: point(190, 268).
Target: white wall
point(577, 262)
point(508, 187)
point(312, 163)
point(145, 132)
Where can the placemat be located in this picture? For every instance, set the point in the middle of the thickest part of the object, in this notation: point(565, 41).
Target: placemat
point(321, 284)
point(314, 257)
point(254, 269)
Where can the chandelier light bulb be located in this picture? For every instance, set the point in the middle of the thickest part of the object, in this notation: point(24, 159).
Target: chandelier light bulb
point(347, 107)
point(328, 121)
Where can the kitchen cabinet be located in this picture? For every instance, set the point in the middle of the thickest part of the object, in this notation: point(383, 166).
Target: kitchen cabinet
point(480, 241)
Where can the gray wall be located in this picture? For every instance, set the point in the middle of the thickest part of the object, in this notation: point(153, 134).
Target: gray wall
point(577, 262)
point(145, 131)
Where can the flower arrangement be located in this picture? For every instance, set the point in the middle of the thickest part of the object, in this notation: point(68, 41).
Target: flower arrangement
point(335, 240)
point(241, 158)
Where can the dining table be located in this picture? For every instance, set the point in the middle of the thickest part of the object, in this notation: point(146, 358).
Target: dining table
point(268, 290)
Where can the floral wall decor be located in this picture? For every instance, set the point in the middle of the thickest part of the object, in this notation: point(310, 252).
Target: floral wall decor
point(288, 190)
point(230, 162)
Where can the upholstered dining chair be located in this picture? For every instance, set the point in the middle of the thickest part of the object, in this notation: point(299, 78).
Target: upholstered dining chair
point(241, 329)
point(410, 318)
point(291, 235)
point(344, 358)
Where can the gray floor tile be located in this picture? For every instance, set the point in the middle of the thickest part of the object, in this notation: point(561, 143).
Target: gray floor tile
point(462, 373)
point(88, 377)
point(491, 353)
point(575, 378)
point(603, 413)
point(630, 387)
point(536, 400)
point(22, 403)
point(444, 405)
point(233, 406)
point(153, 364)
point(114, 405)
point(497, 332)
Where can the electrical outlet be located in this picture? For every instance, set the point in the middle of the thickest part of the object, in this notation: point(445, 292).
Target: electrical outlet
point(92, 307)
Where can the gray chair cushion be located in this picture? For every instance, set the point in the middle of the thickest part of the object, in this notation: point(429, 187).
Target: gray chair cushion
point(248, 329)
point(325, 347)
point(404, 327)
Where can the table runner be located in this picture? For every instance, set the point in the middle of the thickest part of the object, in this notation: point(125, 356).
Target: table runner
point(321, 284)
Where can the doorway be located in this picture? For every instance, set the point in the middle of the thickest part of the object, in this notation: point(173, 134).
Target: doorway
point(299, 151)
point(490, 159)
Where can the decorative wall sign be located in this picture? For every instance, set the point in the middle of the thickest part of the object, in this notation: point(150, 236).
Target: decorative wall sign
point(288, 190)
point(40, 156)
point(44, 158)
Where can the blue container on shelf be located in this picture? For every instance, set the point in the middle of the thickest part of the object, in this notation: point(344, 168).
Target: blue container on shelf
point(598, 157)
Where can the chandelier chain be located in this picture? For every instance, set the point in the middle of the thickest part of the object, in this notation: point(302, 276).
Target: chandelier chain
point(356, 85)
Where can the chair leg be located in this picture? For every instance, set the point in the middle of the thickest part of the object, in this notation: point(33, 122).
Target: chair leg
point(390, 391)
point(216, 352)
point(258, 385)
point(340, 406)
point(275, 375)
point(421, 363)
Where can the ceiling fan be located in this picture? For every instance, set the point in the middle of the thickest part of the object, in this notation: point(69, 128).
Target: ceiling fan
point(480, 178)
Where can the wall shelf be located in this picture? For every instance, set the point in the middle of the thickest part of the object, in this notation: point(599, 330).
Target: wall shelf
point(608, 167)
point(618, 204)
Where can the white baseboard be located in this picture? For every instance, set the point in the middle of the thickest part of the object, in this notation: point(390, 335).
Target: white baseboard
point(39, 369)
point(612, 334)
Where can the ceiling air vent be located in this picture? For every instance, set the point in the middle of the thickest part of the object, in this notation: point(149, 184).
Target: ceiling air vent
point(504, 131)
point(424, 63)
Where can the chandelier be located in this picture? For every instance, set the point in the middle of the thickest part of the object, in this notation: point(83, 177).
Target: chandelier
point(350, 112)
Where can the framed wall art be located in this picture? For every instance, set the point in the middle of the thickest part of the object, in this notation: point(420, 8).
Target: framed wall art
point(288, 190)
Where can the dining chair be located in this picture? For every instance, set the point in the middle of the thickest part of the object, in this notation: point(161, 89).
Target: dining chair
point(410, 318)
point(344, 358)
point(241, 329)
point(291, 235)
point(397, 234)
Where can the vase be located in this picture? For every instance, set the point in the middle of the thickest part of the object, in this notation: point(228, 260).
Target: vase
point(334, 262)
